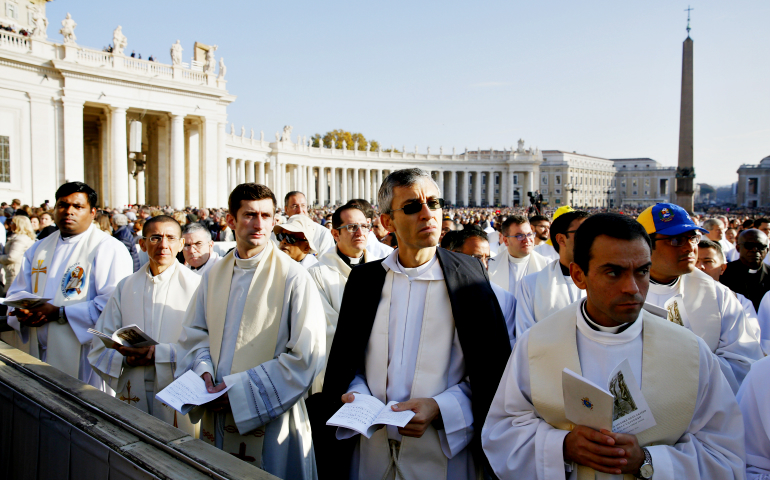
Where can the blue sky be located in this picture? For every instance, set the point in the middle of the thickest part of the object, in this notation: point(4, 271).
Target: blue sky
point(597, 77)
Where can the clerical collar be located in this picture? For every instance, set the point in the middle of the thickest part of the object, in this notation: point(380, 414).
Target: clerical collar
point(596, 326)
point(669, 284)
point(564, 270)
point(162, 276)
point(249, 263)
point(428, 271)
point(349, 261)
point(75, 238)
point(753, 271)
point(513, 259)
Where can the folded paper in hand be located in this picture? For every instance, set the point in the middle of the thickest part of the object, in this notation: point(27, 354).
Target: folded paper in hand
point(129, 336)
point(24, 300)
point(187, 392)
point(620, 408)
point(365, 412)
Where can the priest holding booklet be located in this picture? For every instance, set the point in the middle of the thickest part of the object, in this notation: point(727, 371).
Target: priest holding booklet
point(155, 298)
point(698, 432)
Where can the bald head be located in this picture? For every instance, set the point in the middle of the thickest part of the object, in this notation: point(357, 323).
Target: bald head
point(752, 246)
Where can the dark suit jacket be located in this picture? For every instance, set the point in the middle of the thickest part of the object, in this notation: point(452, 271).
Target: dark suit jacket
point(752, 286)
point(480, 327)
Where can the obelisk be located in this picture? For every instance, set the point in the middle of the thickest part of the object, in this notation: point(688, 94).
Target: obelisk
point(685, 172)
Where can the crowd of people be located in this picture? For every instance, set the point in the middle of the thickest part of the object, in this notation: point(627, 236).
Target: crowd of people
point(466, 317)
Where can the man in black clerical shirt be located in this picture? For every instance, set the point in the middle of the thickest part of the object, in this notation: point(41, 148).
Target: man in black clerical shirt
point(749, 275)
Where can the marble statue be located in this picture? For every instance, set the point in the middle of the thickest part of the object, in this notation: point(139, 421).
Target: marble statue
point(119, 41)
point(40, 22)
point(428, 151)
point(333, 142)
point(243, 131)
point(441, 150)
point(261, 135)
point(252, 134)
point(277, 137)
point(368, 146)
point(232, 128)
point(415, 149)
point(521, 146)
point(453, 150)
point(286, 133)
point(344, 145)
point(68, 30)
point(355, 145)
point(222, 68)
point(210, 61)
point(176, 54)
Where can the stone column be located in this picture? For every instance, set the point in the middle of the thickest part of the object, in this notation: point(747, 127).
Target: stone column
point(344, 186)
point(462, 188)
point(368, 185)
point(193, 165)
point(440, 182)
point(233, 174)
point(355, 177)
point(222, 193)
point(177, 161)
point(260, 172)
point(141, 197)
point(508, 199)
point(321, 185)
point(379, 184)
point(452, 188)
point(490, 188)
point(119, 165)
point(241, 163)
point(249, 171)
point(72, 122)
point(477, 188)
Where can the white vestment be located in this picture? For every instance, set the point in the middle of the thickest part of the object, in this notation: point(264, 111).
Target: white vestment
point(763, 316)
point(213, 258)
point(494, 244)
point(110, 263)
point(376, 248)
point(507, 270)
point(752, 320)
point(717, 317)
point(520, 444)
point(542, 294)
point(733, 255)
point(507, 303)
point(547, 251)
point(322, 238)
point(391, 371)
point(330, 275)
point(156, 304)
point(752, 398)
point(308, 261)
point(269, 396)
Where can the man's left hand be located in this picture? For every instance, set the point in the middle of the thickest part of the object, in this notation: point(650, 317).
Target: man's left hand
point(634, 452)
point(137, 357)
point(426, 411)
point(38, 316)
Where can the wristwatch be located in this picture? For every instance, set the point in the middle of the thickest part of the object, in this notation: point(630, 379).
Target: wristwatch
point(62, 317)
point(646, 471)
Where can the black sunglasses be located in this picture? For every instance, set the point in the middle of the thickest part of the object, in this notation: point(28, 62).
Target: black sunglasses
point(413, 207)
point(290, 239)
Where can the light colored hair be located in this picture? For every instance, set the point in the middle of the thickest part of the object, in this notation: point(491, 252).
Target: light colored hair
point(400, 178)
point(120, 219)
point(180, 217)
point(24, 226)
point(711, 223)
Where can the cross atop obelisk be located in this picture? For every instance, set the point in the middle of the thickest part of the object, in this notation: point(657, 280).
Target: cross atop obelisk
point(685, 172)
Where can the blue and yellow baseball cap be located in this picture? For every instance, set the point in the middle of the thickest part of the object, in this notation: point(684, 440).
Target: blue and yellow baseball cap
point(667, 219)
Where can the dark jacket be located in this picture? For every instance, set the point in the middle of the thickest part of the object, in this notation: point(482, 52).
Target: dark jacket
point(751, 285)
point(126, 237)
point(480, 327)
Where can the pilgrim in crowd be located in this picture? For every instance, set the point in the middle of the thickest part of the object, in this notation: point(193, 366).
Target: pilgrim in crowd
point(749, 275)
point(155, 298)
point(198, 248)
point(521, 260)
point(295, 239)
point(267, 343)
point(376, 248)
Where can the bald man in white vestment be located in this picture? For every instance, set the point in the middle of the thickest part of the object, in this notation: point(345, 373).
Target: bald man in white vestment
point(752, 398)
point(257, 326)
point(699, 430)
point(551, 289)
point(521, 259)
point(691, 298)
point(155, 298)
point(78, 267)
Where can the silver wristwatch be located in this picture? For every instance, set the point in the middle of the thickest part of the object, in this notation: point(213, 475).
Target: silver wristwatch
point(646, 471)
point(62, 317)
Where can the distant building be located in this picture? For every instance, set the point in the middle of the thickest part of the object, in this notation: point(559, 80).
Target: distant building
point(753, 189)
point(575, 179)
point(643, 182)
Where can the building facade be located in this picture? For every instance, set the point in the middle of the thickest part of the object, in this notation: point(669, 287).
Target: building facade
point(575, 179)
point(641, 182)
point(753, 188)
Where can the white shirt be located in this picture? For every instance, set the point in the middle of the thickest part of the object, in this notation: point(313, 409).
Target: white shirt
point(308, 261)
point(517, 269)
point(520, 444)
point(752, 398)
point(508, 305)
point(213, 258)
point(547, 251)
point(376, 248)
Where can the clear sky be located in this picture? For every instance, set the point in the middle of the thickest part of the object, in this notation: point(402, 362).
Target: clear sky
point(597, 77)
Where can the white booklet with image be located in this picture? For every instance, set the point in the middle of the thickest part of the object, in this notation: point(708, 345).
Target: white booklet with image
point(129, 336)
point(366, 412)
point(619, 408)
point(187, 392)
point(24, 300)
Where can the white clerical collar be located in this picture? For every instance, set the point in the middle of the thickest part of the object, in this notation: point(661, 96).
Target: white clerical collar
point(75, 238)
point(430, 270)
point(606, 335)
point(661, 289)
point(355, 261)
point(753, 271)
point(249, 263)
point(513, 259)
point(164, 275)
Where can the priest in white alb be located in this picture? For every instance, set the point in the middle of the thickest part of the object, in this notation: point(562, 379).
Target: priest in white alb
point(256, 325)
point(78, 268)
point(198, 251)
point(752, 398)
point(155, 298)
point(698, 431)
point(551, 289)
point(691, 298)
point(508, 270)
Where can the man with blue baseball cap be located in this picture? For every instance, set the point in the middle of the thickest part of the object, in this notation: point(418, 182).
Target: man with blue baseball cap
point(691, 298)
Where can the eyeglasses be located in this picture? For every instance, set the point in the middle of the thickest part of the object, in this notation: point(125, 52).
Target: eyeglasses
point(196, 245)
point(289, 238)
point(353, 227)
point(520, 237)
point(680, 240)
point(754, 246)
point(156, 239)
point(414, 207)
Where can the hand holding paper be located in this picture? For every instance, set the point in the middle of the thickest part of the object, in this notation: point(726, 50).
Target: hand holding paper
point(187, 392)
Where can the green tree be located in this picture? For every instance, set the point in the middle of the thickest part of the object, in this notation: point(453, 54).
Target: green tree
point(339, 136)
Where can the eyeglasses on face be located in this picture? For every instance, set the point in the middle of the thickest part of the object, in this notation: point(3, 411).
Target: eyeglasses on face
point(680, 240)
point(415, 206)
point(289, 238)
point(156, 239)
point(196, 246)
point(521, 237)
point(353, 227)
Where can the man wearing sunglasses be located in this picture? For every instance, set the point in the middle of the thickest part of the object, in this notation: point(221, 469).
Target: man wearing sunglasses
point(691, 298)
point(414, 328)
point(295, 203)
point(749, 275)
point(295, 239)
point(521, 259)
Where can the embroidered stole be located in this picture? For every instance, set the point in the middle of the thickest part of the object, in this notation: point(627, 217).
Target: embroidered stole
point(418, 457)
point(257, 335)
point(671, 393)
point(63, 348)
point(552, 292)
